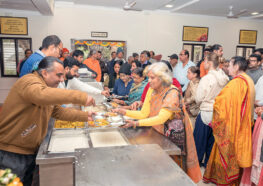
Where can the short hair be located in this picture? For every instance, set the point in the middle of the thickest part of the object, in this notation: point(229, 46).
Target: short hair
point(152, 52)
point(260, 50)
point(186, 52)
point(214, 58)
point(195, 70)
point(147, 53)
point(27, 50)
point(241, 62)
point(208, 49)
point(47, 63)
point(138, 71)
point(77, 53)
point(92, 52)
point(162, 71)
point(168, 64)
point(113, 53)
point(50, 40)
point(99, 52)
point(256, 56)
point(135, 54)
point(70, 62)
point(216, 47)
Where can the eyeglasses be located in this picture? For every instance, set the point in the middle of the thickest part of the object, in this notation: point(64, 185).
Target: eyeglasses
point(181, 54)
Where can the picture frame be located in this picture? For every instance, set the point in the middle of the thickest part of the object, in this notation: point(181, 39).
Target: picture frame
point(99, 34)
point(248, 37)
point(196, 34)
point(13, 25)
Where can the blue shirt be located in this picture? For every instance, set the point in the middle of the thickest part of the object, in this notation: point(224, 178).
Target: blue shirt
point(180, 73)
point(32, 63)
point(120, 89)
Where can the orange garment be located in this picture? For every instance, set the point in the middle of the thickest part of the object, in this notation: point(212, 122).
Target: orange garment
point(94, 65)
point(61, 58)
point(231, 124)
point(203, 71)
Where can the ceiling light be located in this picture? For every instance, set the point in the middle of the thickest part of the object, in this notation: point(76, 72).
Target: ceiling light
point(169, 6)
point(254, 13)
point(185, 5)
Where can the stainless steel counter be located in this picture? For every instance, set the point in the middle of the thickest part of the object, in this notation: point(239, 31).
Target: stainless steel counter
point(58, 168)
point(133, 165)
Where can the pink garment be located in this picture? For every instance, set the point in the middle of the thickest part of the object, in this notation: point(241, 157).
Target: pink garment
point(254, 174)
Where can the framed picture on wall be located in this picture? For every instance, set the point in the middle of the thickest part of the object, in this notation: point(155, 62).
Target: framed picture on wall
point(13, 25)
point(198, 34)
point(248, 37)
point(195, 51)
point(244, 51)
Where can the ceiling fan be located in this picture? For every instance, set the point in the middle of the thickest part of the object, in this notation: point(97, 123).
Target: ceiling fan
point(129, 6)
point(232, 15)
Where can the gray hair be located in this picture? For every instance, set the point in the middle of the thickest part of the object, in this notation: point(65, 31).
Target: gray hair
point(47, 64)
point(162, 71)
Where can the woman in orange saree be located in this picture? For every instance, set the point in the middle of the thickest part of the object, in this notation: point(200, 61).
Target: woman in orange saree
point(232, 127)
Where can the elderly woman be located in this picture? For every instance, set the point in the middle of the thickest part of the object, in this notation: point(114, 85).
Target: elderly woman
point(163, 110)
point(139, 82)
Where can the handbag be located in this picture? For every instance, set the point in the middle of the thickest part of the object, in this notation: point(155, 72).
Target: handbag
point(174, 129)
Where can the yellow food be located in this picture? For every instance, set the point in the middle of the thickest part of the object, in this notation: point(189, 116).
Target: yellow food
point(111, 114)
point(102, 122)
point(114, 104)
point(68, 124)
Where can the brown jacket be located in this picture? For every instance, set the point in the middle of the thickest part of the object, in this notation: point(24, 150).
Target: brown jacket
point(27, 110)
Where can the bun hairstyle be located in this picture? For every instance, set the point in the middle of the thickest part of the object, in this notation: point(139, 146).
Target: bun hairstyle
point(195, 70)
point(214, 58)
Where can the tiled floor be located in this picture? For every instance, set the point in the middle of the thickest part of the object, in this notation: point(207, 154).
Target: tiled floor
point(201, 183)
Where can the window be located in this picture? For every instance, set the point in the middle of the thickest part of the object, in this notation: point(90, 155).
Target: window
point(195, 51)
point(12, 52)
point(244, 51)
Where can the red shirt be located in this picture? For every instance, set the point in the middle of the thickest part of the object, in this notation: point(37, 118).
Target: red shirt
point(175, 83)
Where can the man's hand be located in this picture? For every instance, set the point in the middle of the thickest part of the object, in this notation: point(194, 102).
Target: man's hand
point(90, 101)
point(90, 114)
point(118, 101)
point(136, 105)
point(105, 93)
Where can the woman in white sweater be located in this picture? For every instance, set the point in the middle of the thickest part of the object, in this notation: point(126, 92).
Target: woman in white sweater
point(209, 87)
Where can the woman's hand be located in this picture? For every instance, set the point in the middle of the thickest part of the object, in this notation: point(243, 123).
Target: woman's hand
point(121, 102)
point(259, 111)
point(135, 105)
point(119, 111)
point(130, 123)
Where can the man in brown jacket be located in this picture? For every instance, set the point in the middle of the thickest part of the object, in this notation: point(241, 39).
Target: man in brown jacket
point(28, 107)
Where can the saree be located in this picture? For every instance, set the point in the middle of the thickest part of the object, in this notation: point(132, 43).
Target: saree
point(171, 100)
point(232, 128)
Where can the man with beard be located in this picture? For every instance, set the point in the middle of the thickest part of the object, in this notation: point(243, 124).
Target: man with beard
point(71, 66)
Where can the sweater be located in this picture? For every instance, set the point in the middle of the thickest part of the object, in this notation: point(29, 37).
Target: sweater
point(27, 110)
point(31, 63)
point(255, 74)
point(120, 89)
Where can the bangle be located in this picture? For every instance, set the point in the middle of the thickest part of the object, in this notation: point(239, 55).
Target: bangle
point(135, 125)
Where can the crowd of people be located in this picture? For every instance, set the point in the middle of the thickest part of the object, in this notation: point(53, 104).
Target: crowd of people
point(211, 109)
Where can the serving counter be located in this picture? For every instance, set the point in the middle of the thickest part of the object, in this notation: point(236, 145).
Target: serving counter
point(56, 156)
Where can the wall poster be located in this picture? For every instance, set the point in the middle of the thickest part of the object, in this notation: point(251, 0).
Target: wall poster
point(195, 51)
point(199, 34)
point(105, 46)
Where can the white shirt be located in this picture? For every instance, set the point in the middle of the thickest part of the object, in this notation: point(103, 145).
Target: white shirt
point(76, 84)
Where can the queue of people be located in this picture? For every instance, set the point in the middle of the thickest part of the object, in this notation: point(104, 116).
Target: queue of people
point(207, 110)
